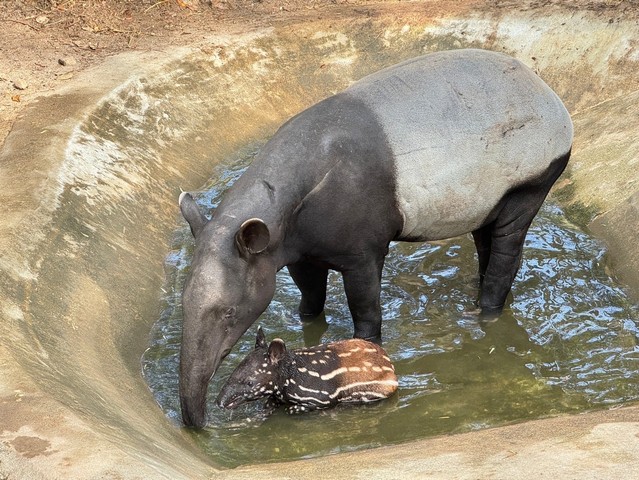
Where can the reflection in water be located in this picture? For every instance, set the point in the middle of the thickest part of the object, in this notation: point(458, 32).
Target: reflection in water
point(567, 342)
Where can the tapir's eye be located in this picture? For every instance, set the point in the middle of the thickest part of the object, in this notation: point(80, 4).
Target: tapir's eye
point(229, 317)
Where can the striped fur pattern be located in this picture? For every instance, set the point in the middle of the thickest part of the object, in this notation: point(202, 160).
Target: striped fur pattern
point(306, 379)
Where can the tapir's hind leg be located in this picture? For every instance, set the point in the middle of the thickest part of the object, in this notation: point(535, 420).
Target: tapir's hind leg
point(505, 257)
point(507, 236)
point(311, 280)
point(483, 240)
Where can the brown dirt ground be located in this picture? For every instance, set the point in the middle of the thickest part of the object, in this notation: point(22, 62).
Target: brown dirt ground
point(36, 34)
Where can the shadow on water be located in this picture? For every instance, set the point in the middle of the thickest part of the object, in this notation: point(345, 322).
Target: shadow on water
point(567, 342)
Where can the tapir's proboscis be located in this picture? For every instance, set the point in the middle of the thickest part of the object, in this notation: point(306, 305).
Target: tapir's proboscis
point(438, 146)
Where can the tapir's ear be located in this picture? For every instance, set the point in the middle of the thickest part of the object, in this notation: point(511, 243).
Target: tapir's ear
point(276, 350)
point(191, 213)
point(252, 237)
point(260, 339)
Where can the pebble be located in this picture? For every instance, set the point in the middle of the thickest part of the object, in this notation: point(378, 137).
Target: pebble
point(20, 84)
point(67, 61)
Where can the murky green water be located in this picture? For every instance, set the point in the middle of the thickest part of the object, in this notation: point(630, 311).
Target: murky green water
point(567, 342)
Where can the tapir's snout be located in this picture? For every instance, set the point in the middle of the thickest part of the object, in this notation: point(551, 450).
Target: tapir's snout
point(193, 408)
point(194, 381)
point(230, 398)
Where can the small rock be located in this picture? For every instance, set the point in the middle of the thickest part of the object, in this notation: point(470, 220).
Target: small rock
point(66, 76)
point(67, 61)
point(42, 19)
point(20, 84)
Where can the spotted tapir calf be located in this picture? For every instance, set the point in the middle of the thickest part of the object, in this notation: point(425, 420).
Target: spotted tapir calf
point(437, 146)
point(306, 379)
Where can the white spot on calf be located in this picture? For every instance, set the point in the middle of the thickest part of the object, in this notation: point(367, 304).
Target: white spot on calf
point(369, 384)
point(309, 399)
point(308, 389)
point(334, 373)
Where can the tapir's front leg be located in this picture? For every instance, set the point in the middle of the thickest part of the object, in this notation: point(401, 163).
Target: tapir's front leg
point(311, 280)
point(271, 404)
point(363, 287)
point(295, 408)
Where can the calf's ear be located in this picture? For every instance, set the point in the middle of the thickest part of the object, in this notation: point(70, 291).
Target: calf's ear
point(260, 338)
point(276, 350)
point(191, 213)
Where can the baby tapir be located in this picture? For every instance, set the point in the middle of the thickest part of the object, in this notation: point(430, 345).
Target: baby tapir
point(305, 379)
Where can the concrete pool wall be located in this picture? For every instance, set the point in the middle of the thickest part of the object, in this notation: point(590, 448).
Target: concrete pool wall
point(89, 178)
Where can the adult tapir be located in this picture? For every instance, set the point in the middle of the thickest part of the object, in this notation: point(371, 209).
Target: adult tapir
point(437, 146)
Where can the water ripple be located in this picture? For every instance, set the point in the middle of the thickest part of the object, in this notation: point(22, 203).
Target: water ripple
point(567, 342)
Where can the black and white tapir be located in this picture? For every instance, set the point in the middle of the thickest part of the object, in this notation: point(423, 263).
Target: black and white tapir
point(437, 146)
point(306, 379)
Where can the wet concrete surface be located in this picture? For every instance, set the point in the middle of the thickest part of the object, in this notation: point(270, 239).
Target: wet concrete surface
point(89, 179)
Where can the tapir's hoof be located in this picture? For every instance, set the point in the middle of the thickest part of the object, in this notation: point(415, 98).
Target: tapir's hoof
point(308, 313)
point(309, 316)
point(489, 314)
